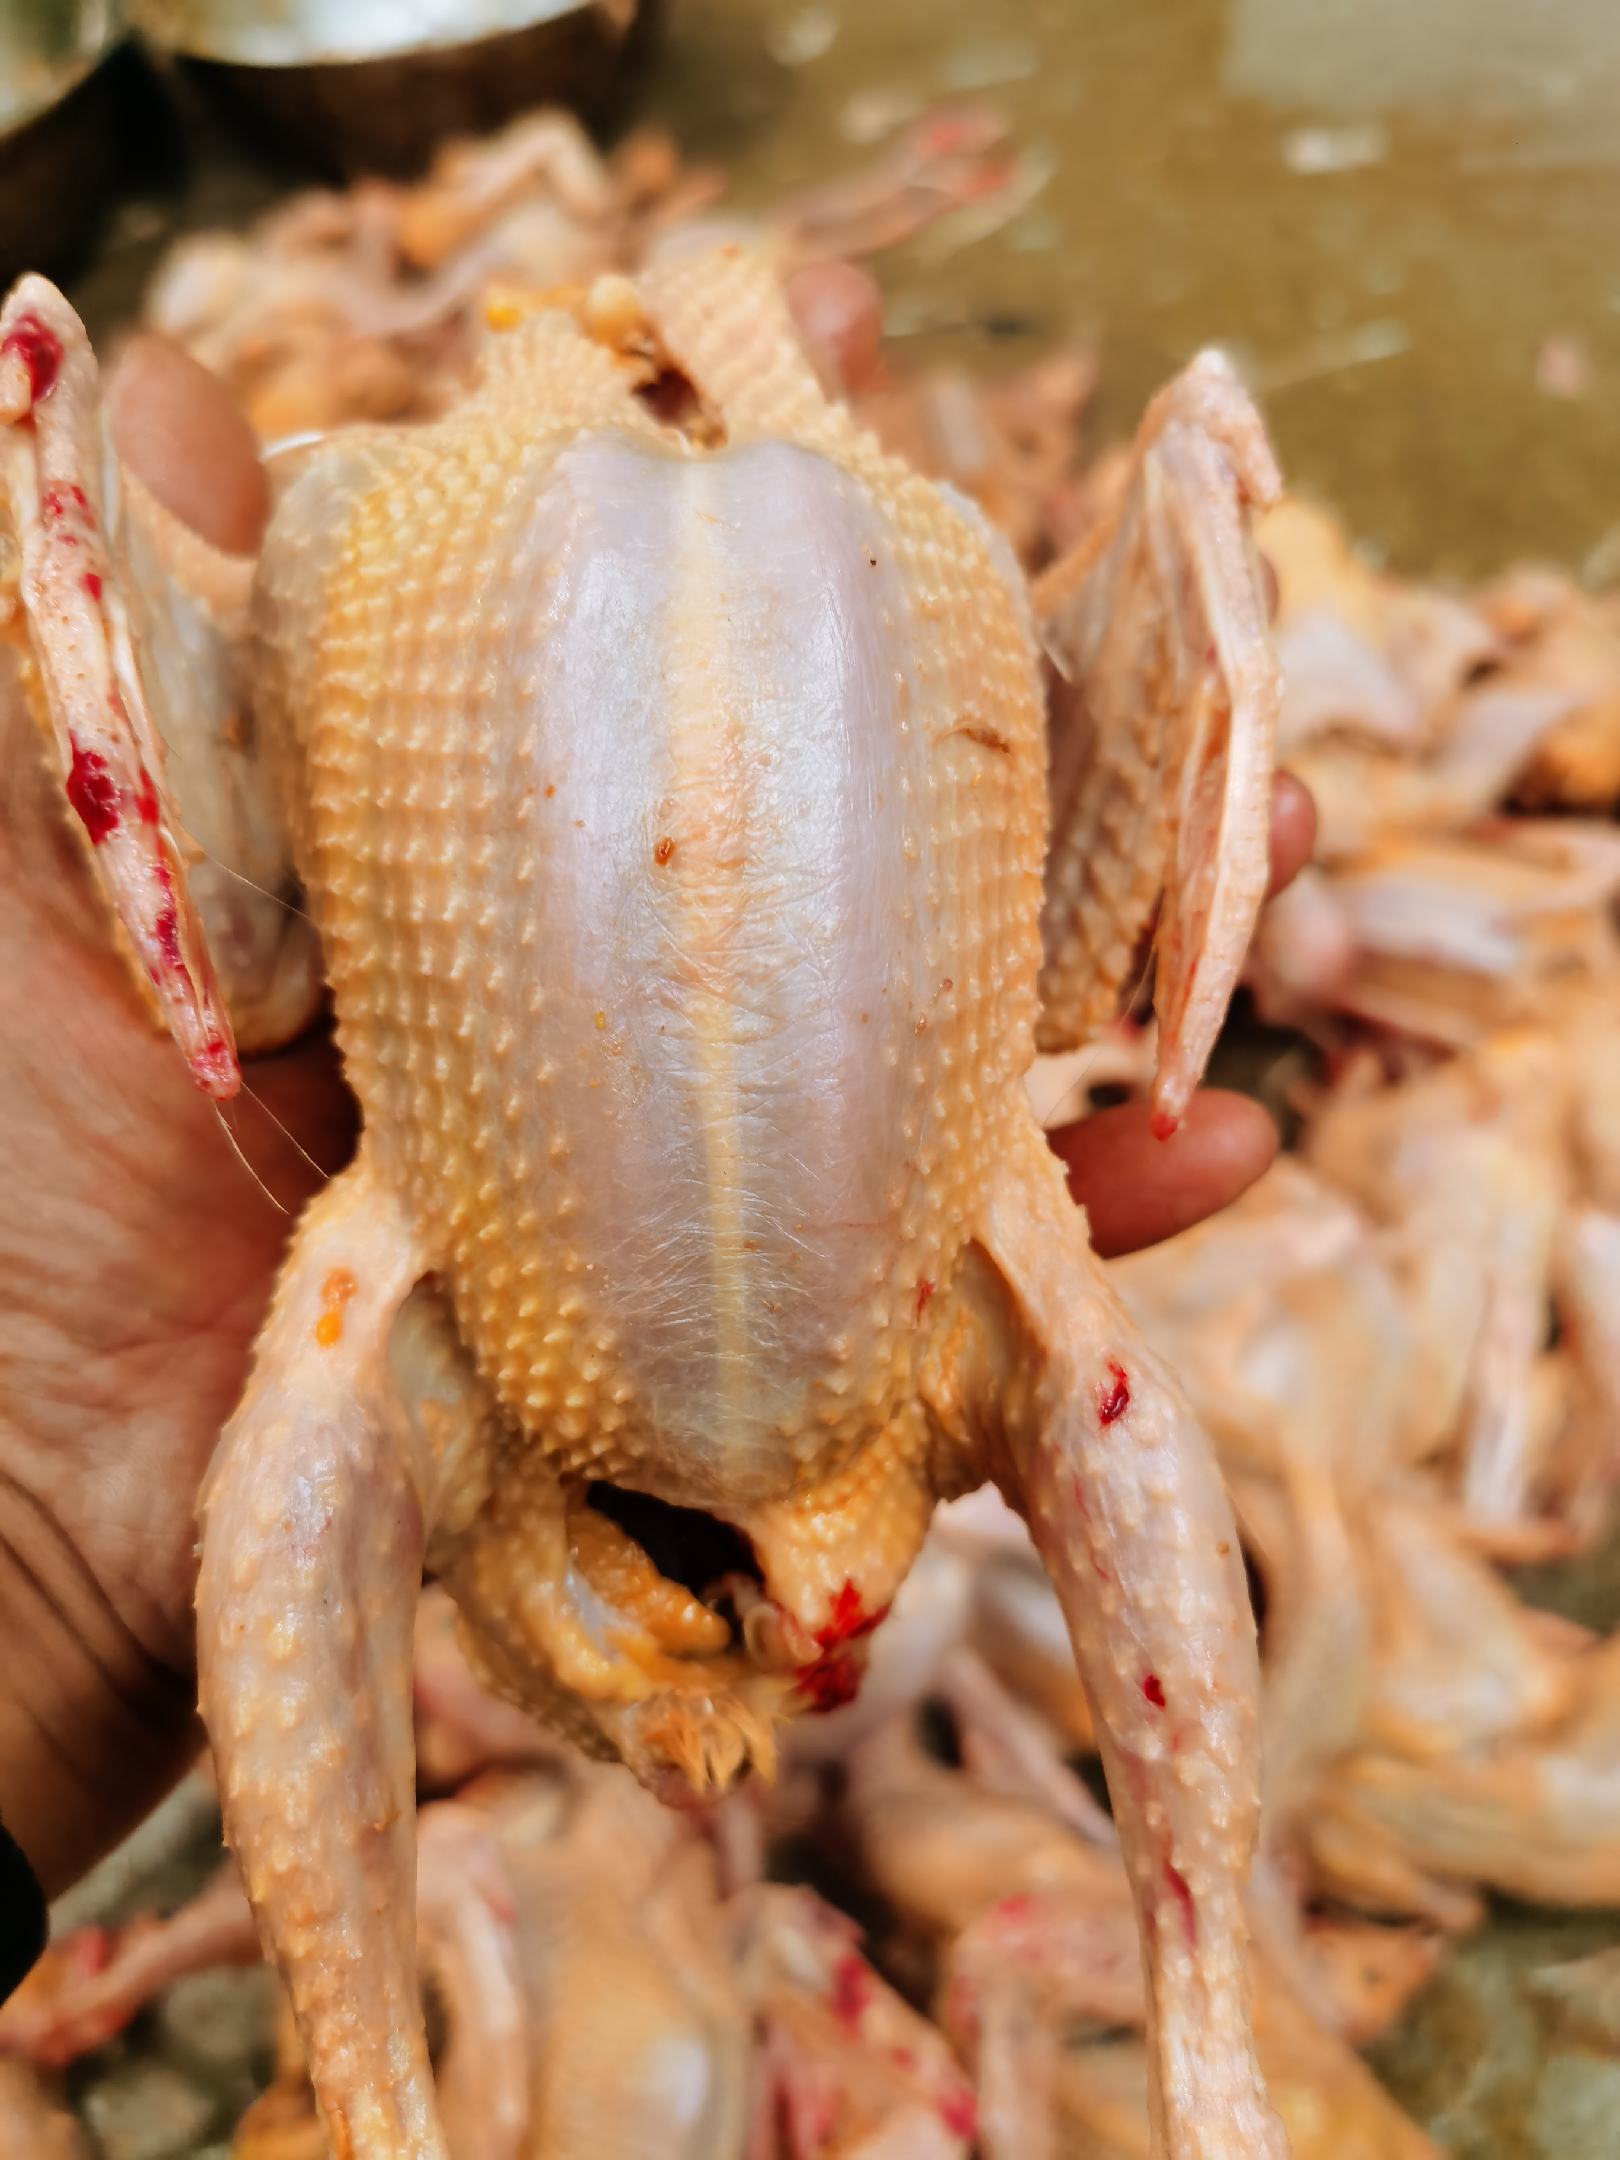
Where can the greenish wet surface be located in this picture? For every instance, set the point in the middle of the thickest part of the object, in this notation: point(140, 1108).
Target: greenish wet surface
point(1391, 312)
point(1390, 308)
point(1485, 2062)
point(1482, 2058)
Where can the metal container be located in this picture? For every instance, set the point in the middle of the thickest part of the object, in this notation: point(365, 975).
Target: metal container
point(372, 85)
point(58, 128)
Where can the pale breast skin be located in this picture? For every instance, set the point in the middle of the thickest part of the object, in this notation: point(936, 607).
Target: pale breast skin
point(676, 899)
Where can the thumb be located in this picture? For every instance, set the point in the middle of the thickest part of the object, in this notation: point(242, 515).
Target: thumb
point(177, 428)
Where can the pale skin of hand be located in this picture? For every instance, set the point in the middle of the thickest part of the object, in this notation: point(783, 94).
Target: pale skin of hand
point(137, 1254)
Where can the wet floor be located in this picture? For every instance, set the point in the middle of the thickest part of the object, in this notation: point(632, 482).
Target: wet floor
point(1403, 216)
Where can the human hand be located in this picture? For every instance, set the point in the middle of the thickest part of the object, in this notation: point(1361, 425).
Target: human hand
point(137, 1254)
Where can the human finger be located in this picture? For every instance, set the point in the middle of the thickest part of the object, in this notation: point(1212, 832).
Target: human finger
point(1293, 830)
point(1138, 1189)
point(181, 433)
point(839, 312)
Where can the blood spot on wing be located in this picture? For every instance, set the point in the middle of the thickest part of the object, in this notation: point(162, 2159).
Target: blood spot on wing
point(167, 932)
point(851, 1991)
point(92, 792)
point(959, 2112)
point(63, 500)
point(215, 1062)
point(39, 350)
point(1153, 1689)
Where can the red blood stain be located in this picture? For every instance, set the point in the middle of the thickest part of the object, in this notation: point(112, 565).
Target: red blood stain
point(1153, 1689)
point(40, 351)
point(167, 927)
point(1010, 1911)
point(925, 1291)
point(1184, 1898)
point(1163, 1126)
point(214, 1066)
point(93, 793)
point(1115, 1400)
point(167, 932)
point(57, 501)
point(834, 1678)
point(959, 2112)
point(146, 802)
point(851, 1991)
point(92, 584)
point(831, 1683)
point(848, 1621)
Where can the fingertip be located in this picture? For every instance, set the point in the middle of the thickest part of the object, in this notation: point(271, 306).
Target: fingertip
point(180, 432)
point(1293, 829)
point(839, 312)
point(1138, 1189)
point(1236, 1140)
